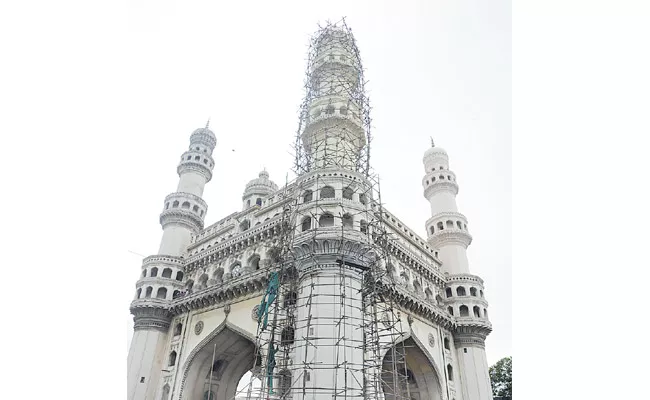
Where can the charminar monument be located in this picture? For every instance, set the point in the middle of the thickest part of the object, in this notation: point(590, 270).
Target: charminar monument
point(313, 289)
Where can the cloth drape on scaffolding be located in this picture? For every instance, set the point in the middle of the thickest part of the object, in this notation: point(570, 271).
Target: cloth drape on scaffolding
point(268, 299)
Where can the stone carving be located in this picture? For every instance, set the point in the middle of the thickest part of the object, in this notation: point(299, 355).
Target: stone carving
point(226, 309)
point(198, 328)
point(254, 313)
point(432, 340)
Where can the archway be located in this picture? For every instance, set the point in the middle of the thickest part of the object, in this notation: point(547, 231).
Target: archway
point(423, 380)
point(233, 355)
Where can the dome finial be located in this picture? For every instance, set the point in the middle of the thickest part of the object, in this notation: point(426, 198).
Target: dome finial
point(432, 144)
point(207, 125)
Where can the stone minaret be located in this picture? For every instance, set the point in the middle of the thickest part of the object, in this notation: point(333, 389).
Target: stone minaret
point(162, 274)
point(447, 232)
point(333, 198)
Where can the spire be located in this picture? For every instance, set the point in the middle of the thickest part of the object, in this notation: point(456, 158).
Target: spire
point(207, 125)
point(432, 144)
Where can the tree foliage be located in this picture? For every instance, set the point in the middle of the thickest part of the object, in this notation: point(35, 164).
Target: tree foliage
point(501, 378)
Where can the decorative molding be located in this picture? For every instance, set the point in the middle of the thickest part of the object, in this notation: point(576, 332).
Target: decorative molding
point(432, 340)
point(198, 328)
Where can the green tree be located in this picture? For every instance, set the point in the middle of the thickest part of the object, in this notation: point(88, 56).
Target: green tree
point(501, 378)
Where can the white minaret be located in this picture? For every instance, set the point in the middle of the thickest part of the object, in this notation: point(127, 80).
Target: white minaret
point(162, 274)
point(447, 228)
point(447, 232)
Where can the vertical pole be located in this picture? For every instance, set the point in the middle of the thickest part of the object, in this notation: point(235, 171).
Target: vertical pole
point(214, 351)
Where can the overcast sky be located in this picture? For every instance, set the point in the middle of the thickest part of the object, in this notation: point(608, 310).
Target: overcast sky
point(434, 68)
point(101, 101)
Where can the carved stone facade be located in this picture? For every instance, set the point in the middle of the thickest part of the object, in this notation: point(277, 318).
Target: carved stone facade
point(209, 280)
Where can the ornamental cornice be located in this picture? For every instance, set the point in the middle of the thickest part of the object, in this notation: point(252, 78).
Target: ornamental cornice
point(186, 196)
point(161, 259)
point(158, 280)
point(469, 327)
point(150, 314)
point(333, 175)
point(409, 302)
point(441, 216)
point(199, 136)
point(268, 229)
point(451, 236)
point(440, 186)
point(465, 278)
point(181, 217)
point(414, 262)
point(195, 166)
point(325, 120)
point(241, 288)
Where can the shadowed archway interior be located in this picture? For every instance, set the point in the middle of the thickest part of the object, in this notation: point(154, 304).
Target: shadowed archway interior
point(233, 356)
point(423, 380)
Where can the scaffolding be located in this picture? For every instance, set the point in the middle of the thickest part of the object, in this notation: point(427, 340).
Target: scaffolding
point(327, 325)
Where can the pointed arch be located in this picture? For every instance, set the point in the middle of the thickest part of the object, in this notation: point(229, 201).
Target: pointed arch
point(228, 337)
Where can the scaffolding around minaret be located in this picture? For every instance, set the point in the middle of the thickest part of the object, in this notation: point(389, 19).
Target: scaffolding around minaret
point(327, 325)
point(334, 128)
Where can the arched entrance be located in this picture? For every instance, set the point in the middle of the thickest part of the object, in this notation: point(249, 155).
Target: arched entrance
point(423, 380)
point(233, 355)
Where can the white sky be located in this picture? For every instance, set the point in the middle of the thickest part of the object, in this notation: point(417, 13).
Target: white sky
point(433, 69)
point(112, 95)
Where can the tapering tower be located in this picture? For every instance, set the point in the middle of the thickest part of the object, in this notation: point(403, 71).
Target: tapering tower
point(447, 232)
point(162, 274)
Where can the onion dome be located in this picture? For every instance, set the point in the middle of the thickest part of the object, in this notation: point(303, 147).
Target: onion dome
point(262, 186)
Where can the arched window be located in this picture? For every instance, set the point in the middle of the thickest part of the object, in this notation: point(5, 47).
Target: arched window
point(189, 285)
point(450, 310)
point(167, 273)
point(162, 293)
point(177, 329)
point(448, 292)
point(329, 110)
point(348, 222)
point(347, 193)
point(186, 204)
point(428, 294)
point(450, 225)
point(363, 199)
point(464, 311)
point(440, 226)
point(248, 203)
point(460, 291)
point(450, 372)
point(307, 196)
point(244, 225)
point(176, 294)
point(446, 343)
point(175, 204)
point(216, 367)
point(138, 293)
point(363, 226)
point(477, 312)
point(167, 206)
point(326, 220)
point(254, 262)
point(481, 293)
point(179, 276)
point(287, 336)
point(459, 225)
point(258, 201)
point(144, 273)
point(154, 272)
point(472, 291)
point(195, 208)
point(165, 393)
point(485, 313)
point(290, 298)
point(306, 223)
point(218, 275)
point(327, 192)
point(343, 110)
point(172, 359)
point(203, 280)
point(285, 382)
point(431, 231)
